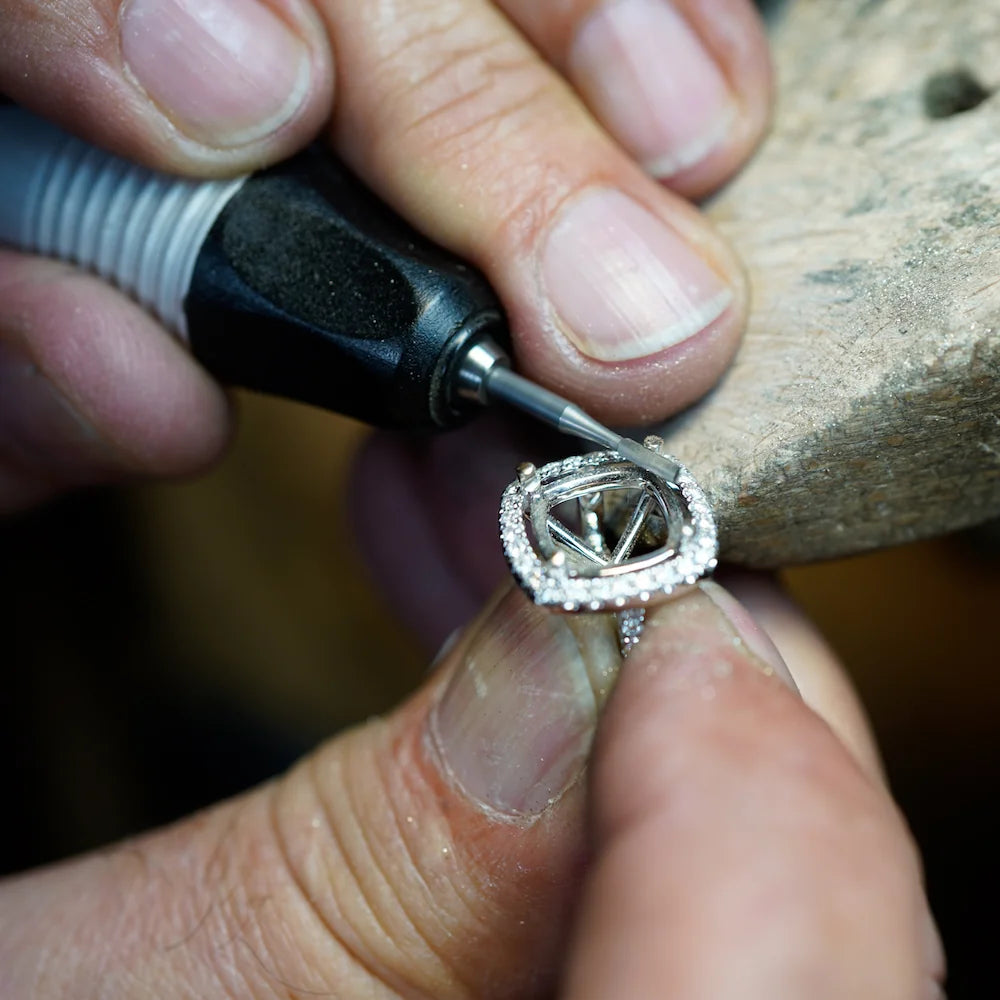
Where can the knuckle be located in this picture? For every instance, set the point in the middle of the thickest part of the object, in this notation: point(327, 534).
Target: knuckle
point(459, 92)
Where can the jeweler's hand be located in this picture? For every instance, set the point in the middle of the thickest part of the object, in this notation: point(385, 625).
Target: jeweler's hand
point(530, 137)
point(728, 841)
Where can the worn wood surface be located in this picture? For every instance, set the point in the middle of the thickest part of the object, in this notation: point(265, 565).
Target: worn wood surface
point(862, 410)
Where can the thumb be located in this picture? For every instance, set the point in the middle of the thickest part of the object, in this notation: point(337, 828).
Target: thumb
point(197, 86)
point(435, 852)
point(451, 833)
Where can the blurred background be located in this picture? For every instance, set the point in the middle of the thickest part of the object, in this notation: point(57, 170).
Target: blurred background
point(170, 645)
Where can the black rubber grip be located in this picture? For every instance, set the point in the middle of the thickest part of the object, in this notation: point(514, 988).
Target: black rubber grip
point(311, 288)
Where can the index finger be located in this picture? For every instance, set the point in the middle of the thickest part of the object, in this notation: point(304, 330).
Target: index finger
point(619, 294)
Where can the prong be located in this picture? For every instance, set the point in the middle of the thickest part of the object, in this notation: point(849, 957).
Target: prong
point(591, 510)
point(636, 522)
point(560, 533)
point(528, 477)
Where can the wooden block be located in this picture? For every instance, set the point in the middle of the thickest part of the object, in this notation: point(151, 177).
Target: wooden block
point(863, 409)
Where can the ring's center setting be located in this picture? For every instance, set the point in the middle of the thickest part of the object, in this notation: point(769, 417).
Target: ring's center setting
point(598, 533)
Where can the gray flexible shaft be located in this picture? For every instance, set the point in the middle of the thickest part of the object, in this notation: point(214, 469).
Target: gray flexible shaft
point(139, 229)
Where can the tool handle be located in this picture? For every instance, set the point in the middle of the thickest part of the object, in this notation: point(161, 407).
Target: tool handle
point(309, 287)
point(296, 281)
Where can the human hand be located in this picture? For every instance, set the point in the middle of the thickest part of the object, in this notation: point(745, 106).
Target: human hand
point(459, 114)
point(729, 839)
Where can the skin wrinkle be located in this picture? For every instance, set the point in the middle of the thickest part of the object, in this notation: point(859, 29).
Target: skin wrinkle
point(513, 230)
point(474, 60)
point(135, 908)
point(472, 890)
point(396, 892)
point(368, 845)
point(463, 197)
point(255, 906)
point(482, 129)
point(206, 848)
point(484, 75)
point(428, 899)
point(475, 75)
point(295, 880)
point(68, 30)
point(414, 72)
point(520, 226)
point(270, 974)
point(388, 964)
point(394, 24)
point(64, 20)
point(463, 890)
point(91, 27)
point(361, 896)
point(317, 913)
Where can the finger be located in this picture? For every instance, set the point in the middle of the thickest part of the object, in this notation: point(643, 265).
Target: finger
point(618, 292)
point(92, 389)
point(745, 855)
point(819, 676)
point(684, 86)
point(435, 852)
point(199, 86)
point(406, 498)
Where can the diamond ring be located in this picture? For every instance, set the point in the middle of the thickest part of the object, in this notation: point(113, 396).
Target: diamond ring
point(598, 533)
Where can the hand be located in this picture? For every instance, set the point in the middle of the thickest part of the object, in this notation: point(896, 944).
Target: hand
point(514, 133)
point(729, 839)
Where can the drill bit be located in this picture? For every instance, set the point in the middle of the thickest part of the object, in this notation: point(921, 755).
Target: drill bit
point(503, 384)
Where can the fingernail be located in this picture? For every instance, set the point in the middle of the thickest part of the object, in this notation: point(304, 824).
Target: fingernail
point(647, 76)
point(226, 72)
point(39, 427)
point(515, 723)
point(756, 640)
point(623, 283)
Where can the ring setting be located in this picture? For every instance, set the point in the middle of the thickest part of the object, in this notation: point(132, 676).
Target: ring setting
point(599, 533)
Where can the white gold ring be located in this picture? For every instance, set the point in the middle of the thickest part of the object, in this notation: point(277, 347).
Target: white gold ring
point(598, 533)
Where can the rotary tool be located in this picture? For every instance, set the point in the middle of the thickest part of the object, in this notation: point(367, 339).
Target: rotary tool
point(295, 281)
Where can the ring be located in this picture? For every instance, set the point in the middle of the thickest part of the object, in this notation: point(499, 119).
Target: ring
point(599, 533)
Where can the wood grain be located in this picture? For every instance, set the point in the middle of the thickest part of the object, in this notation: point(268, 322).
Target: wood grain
point(862, 410)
